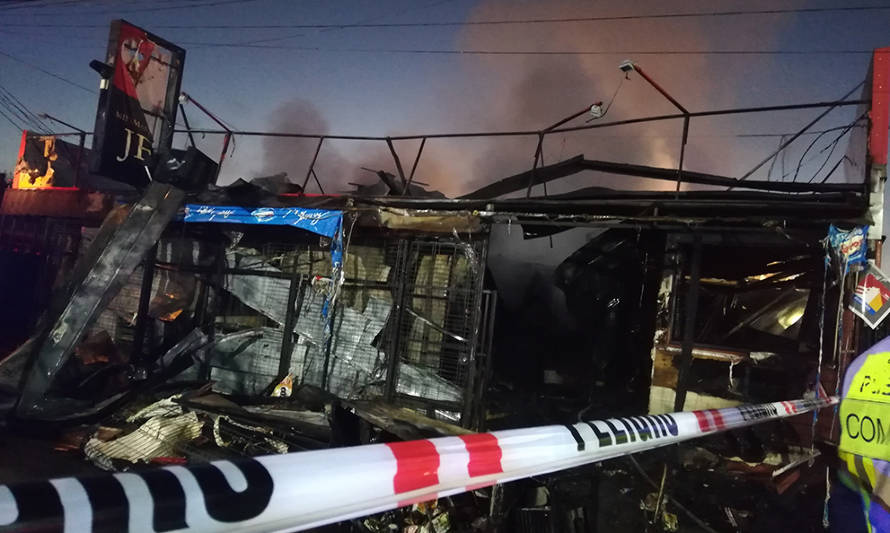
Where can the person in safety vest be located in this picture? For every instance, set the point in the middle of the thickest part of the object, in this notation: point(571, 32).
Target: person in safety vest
point(864, 448)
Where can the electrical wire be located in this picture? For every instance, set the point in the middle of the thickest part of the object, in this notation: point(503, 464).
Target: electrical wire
point(12, 111)
point(262, 44)
point(16, 110)
point(502, 22)
point(11, 121)
point(10, 6)
point(833, 145)
point(177, 6)
point(814, 141)
point(47, 72)
point(483, 52)
point(611, 100)
point(836, 165)
point(34, 4)
point(33, 118)
point(813, 157)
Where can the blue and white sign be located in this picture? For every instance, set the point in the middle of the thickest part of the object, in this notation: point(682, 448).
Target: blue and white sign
point(320, 221)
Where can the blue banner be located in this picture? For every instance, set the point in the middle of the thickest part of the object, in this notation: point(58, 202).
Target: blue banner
point(320, 221)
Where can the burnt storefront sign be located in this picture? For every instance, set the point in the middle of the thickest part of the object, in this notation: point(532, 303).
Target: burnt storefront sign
point(45, 161)
point(137, 106)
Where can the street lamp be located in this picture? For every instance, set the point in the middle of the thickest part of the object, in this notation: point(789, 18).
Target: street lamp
point(627, 66)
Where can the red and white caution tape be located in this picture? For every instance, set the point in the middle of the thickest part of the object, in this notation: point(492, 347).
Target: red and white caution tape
point(298, 491)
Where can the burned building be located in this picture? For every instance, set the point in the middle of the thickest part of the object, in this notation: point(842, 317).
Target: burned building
point(207, 323)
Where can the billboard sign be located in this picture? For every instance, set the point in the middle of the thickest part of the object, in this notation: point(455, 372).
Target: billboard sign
point(137, 104)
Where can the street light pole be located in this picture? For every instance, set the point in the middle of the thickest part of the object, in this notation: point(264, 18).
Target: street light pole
point(627, 66)
point(595, 109)
point(184, 97)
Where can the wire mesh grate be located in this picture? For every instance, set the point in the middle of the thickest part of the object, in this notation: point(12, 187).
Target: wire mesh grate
point(404, 323)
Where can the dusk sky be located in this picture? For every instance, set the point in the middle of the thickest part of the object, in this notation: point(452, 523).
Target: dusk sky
point(397, 80)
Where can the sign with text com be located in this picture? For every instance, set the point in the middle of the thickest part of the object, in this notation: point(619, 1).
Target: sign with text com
point(865, 411)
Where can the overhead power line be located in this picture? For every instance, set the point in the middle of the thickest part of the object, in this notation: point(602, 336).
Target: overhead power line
point(467, 52)
point(29, 116)
point(179, 5)
point(48, 73)
point(36, 4)
point(10, 120)
point(260, 44)
point(501, 22)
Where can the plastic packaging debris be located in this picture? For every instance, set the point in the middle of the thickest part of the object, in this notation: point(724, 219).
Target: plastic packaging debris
point(166, 429)
point(160, 436)
point(669, 521)
point(284, 387)
point(847, 248)
point(273, 445)
point(163, 408)
point(871, 298)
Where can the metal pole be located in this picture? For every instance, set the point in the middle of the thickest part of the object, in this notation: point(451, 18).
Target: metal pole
point(392, 364)
point(682, 152)
point(570, 118)
point(295, 294)
point(142, 316)
point(414, 167)
point(533, 177)
point(327, 347)
point(188, 127)
point(395, 156)
point(689, 322)
point(658, 88)
point(220, 123)
point(686, 116)
point(62, 122)
point(222, 155)
point(312, 164)
point(317, 181)
point(83, 140)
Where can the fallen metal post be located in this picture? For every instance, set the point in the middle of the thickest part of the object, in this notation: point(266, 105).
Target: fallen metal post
point(123, 240)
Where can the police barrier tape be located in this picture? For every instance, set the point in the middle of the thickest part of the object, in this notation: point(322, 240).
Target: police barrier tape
point(298, 491)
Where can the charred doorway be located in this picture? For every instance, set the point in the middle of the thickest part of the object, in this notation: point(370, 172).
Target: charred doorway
point(576, 341)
